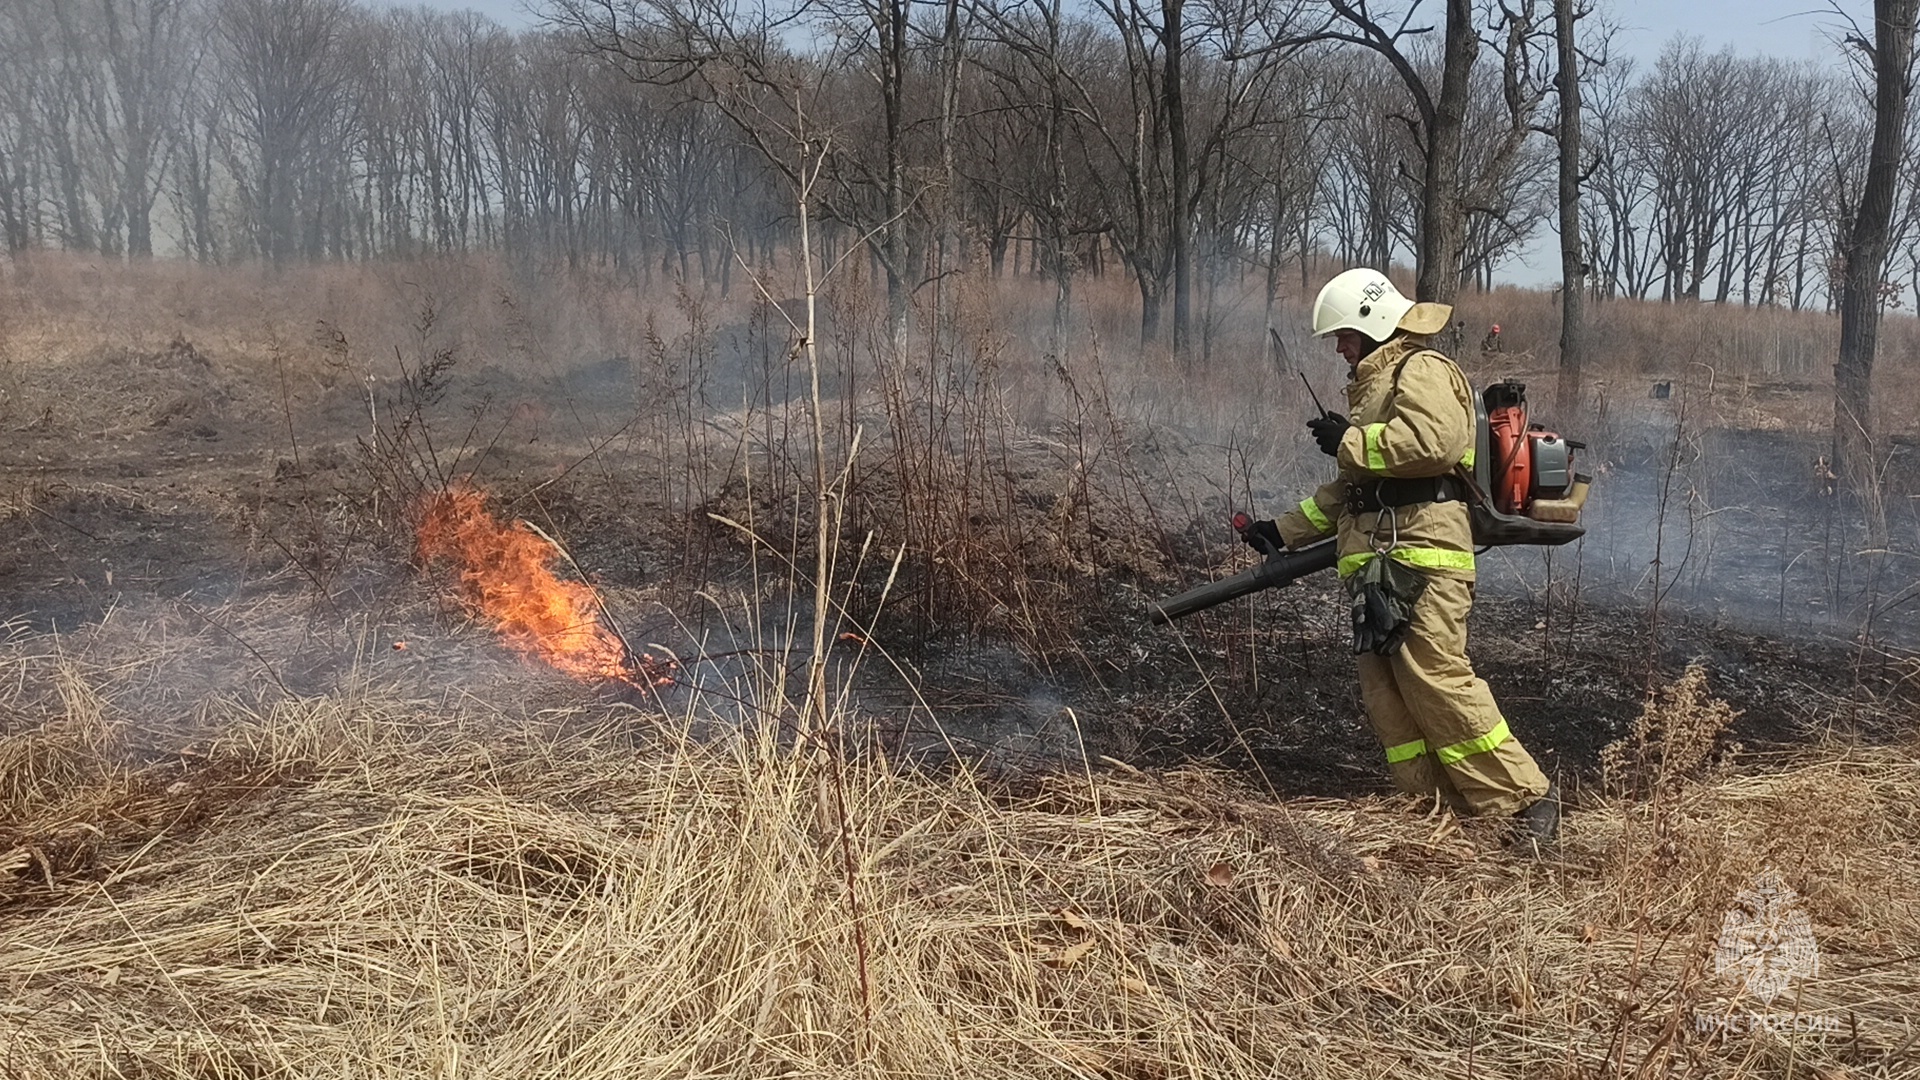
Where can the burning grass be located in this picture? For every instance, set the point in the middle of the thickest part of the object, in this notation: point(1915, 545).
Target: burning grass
point(368, 885)
point(506, 576)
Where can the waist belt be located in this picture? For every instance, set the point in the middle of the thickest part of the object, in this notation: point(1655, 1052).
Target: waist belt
point(1373, 496)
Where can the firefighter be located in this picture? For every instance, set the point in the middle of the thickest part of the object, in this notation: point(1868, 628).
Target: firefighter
point(1412, 422)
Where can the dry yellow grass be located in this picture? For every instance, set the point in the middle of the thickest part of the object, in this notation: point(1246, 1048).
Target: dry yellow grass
point(1750, 368)
point(1764, 368)
point(369, 886)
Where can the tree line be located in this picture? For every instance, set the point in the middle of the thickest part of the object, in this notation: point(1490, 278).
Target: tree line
point(1182, 143)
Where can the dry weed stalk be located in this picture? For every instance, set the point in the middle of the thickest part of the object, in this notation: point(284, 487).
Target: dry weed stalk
point(1671, 741)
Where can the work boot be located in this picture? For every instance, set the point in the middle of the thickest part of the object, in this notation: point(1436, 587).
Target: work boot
point(1540, 820)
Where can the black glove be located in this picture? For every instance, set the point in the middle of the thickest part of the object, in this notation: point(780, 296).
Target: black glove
point(1383, 593)
point(1262, 536)
point(1328, 431)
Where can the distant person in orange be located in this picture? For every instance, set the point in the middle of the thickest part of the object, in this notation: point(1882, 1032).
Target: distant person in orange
point(1491, 343)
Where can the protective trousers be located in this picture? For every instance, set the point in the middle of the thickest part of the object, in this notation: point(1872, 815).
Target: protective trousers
point(1437, 719)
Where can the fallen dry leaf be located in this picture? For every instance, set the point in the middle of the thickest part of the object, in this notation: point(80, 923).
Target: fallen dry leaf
point(1521, 997)
point(1073, 919)
point(1132, 985)
point(1075, 952)
point(1220, 875)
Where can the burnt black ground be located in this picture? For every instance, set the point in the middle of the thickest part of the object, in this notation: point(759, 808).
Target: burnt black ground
point(201, 501)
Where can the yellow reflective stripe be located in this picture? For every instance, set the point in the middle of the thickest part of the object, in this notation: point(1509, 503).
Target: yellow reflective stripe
point(1406, 751)
point(1451, 754)
point(1425, 558)
point(1370, 437)
point(1467, 458)
point(1315, 516)
point(1434, 558)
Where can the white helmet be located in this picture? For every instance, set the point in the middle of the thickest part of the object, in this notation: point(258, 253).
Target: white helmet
point(1359, 299)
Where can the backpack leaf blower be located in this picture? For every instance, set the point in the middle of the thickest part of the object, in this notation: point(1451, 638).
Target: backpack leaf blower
point(1521, 489)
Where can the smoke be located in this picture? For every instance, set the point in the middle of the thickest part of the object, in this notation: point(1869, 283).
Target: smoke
point(1736, 528)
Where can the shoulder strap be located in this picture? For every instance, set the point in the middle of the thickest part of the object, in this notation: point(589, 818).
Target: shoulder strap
point(1393, 388)
point(1475, 495)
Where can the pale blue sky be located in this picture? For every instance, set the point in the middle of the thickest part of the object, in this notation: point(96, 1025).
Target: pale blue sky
point(505, 12)
point(1790, 28)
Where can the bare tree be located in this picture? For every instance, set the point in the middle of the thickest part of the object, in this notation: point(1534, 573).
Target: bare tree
point(1720, 137)
point(1441, 114)
point(1158, 149)
point(1505, 170)
point(1182, 141)
point(146, 57)
point(1296, 160)
point(1889, 56)
point(1372, 203)
point(1042, 84)
point(199, 130)
point(287, 83)
point(1617, 190)
point(65, 100)
point(24, 68)
point(1573, 263)
point(735, 59)
point(1439, 118)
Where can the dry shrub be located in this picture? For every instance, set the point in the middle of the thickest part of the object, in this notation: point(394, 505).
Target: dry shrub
point(1671, 742)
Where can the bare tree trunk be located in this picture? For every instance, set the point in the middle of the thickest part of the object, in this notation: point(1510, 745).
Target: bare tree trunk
point(1060, 256)
point(949, 107)
point(1442, 120)
point(893, 66)
point(1151, 296)
point(1865, 249)
point(1276, 247)
point(1573, 267)
point(1180, 214)
point(14, 214)
point(77, 232)
point(1442, 220)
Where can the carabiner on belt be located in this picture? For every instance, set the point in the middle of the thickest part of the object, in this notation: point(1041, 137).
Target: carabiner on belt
point(1392, 517)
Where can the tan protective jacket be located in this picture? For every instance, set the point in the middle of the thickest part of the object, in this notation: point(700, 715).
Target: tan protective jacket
point(1413, 424)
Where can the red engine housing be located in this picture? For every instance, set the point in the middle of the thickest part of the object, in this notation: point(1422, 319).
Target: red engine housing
point(1512, 454)
point(1514, 468)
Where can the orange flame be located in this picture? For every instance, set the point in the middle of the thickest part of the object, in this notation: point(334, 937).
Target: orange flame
point(506, 575)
